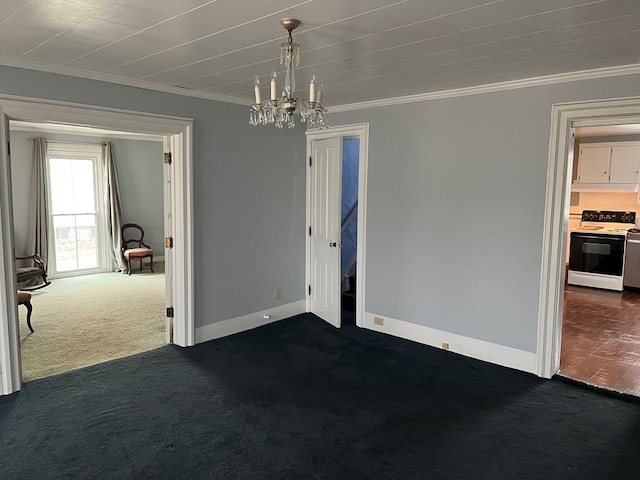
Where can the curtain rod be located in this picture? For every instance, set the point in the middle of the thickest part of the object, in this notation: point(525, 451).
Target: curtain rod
point(73, 142)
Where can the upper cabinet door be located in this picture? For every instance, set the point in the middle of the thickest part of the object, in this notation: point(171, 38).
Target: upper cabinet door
point(593, 166)
point(625, 164)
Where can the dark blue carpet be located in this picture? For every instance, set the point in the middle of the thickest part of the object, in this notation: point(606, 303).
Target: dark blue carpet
point(301, 400)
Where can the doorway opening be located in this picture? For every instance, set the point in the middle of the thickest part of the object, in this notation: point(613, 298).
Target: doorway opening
point(566, 118)
point(178, 199)
point(84, 316)
point(600, 338)
point(336, 216)
point(349, 228)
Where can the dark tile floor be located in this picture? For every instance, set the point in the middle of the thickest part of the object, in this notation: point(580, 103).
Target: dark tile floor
point(601, 338)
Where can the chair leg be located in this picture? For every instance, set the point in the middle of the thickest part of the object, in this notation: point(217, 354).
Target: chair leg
point(29, 310)
point(151, 263)
point(129, 266)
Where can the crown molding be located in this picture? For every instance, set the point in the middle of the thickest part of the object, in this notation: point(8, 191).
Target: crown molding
point(118, 80)
point(421, 97)
point(494, 87)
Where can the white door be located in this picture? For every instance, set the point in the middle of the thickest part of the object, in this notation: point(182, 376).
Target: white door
point(326, 174)
point(9, 343)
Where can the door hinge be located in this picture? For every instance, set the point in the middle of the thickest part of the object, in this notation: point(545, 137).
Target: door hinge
point(169, 312)
point(309, 289)
point(168, 242)
point(309, 230)
point(309, 161)
point(9, 149)
point(167, 158)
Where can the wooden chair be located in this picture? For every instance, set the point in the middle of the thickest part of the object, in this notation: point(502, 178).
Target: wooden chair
point(133, 236)
point(37, 270)
point(24, 298)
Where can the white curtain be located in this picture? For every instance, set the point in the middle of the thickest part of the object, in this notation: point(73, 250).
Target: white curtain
point(38, 236)
point(113, 208)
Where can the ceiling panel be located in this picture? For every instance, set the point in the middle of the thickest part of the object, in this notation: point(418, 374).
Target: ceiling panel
point(554, 19)
point(598, 29)
point(633, 21)
point(128, 15)
point(9, 7)
point(607, 9)
point(65, 47)
point(361, 49)
point(548, 5)
point(586, 45)
point(61, 9)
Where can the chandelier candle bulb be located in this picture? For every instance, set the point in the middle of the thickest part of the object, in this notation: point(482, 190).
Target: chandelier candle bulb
point(274, 87)
point(319, 95)
point(312, 89)
point(256, 87)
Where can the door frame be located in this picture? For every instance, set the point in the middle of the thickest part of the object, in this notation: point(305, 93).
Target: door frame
point(178, 133)
point(565, 118)
point(361, 131)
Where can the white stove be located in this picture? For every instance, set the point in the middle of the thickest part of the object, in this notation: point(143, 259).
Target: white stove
point(597, 249)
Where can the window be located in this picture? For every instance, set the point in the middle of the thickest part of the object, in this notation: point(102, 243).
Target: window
point(76, 209)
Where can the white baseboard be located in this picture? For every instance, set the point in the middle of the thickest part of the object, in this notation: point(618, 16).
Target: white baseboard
point(469, 347)
point(248, 322)
point(156, 259)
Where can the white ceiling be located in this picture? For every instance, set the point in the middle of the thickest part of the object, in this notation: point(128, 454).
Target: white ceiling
point(362, 50)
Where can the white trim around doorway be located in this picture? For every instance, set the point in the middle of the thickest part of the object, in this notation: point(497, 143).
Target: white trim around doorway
point(565, 117)
point(179, 132)
point(361, 131)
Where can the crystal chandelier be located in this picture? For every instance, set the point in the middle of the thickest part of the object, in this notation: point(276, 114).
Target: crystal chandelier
point(279, 111)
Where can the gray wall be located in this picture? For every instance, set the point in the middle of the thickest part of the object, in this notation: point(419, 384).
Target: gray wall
point(456, 196)
point(249, 192)
point(139, 165)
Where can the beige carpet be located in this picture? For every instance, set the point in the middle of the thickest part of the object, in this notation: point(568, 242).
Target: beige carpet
point(85, 320)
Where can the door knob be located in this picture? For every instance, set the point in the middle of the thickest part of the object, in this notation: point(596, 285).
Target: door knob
point(333, 244)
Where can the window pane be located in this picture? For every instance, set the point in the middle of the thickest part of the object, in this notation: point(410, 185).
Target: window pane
point(71, 186)
point(65, 235)
point(76, 244)
point(86, 240)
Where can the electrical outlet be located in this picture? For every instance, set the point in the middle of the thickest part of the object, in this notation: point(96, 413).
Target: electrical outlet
point(378, 321)
point(445, 346)
point(276, 294)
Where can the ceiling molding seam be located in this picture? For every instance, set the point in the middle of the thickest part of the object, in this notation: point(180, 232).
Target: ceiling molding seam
point(494, 87)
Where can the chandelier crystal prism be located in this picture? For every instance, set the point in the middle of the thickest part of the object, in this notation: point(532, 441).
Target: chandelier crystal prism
point(279, 110)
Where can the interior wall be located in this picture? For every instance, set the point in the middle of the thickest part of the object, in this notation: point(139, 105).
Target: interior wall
point(456, 197)
point(249, 192)
point(139, 166)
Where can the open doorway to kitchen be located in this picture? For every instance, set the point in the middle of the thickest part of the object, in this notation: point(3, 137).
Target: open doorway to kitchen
point(600, 342)
point(84, 316)
point(570, 326)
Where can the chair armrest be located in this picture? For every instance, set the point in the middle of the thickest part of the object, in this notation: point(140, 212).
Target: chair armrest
point(37, 260)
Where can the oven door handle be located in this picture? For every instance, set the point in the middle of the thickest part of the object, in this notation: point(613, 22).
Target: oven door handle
point(592, 237)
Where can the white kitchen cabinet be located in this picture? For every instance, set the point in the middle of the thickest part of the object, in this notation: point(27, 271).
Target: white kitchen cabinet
point(625, 164)
point(593, 164)
point(614, 164)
